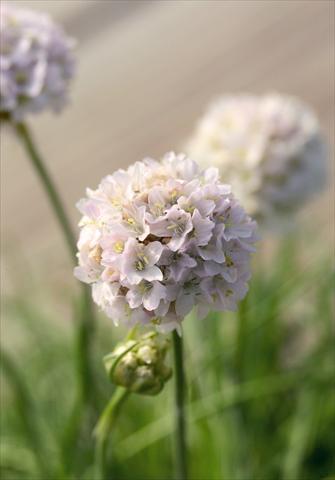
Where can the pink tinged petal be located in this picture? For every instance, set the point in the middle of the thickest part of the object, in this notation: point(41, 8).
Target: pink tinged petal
point(237, 213)
point(116, 232)
point(88, 237)
point(203, 310)
point(212, 252)
point(203, 228)
point(198, 200)
point(116, 311)
point(179, 265)
point(236, 231)
point(146, 232)
point(131, 245)
point(140, 316)
point(162, 308)
point(151, 274)
point(166, 257)
point(110, 275)
point(175, 244)
point(135, 221)
point(120, 312)
point(187, 261)
point(247, 244)
point(206, 286)
point(104, 293)
point(89, 208)
point(112, 261)
point(208, 269)
point(172, 292)
point(154, 251)
point(226, 304)
point(229, 274)
point(82, 275)
point(184, 304)
point(168, 326)
point(152, 298)
point(211, 175)
point(206, 207)
point(132, 277)
point(158, 227)
point(176, 224)
point(241, 287)
point(157, 199)
point(40, 72)
point(134, 298)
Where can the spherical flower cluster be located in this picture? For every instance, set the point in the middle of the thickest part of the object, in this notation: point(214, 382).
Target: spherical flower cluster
point(268, 148)
point(37, 63)
point(138, 364)
point(162, 237)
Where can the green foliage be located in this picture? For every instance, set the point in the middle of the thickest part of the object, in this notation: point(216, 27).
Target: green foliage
point(261, 398)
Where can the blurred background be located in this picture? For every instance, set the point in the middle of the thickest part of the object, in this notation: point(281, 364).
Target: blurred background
point(146, 72)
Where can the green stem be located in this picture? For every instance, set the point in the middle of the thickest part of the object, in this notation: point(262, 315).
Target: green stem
point(180, 448)
point(103, 430)
point(86, 315)
point(241, 338)
point(57, 205)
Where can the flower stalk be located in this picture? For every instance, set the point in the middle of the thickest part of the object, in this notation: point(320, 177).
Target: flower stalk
point(26, 138)
point(241, 338)
point(180, 384)
point(86, 314)
point(103, 429)
point(136, 365)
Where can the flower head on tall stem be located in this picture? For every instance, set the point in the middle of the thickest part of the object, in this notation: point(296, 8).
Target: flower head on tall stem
point(171, 240)
point(37, 63)
point(269, 148)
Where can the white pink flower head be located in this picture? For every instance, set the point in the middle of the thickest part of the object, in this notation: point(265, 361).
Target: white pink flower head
point(161, 238)
point(269, 148)
point(36, 63)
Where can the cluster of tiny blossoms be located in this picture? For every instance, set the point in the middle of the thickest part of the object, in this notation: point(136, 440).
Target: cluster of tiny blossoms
point(268, 148)
point(162, 237)
point(37, 63)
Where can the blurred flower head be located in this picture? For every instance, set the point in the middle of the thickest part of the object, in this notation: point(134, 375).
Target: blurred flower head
point(162, 237)
point(37, 63)
point(269, 148)
point(138, 365)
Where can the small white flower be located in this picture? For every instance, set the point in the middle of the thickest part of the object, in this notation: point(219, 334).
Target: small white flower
point(148, 294)
point(174, 225)
point(139, 262)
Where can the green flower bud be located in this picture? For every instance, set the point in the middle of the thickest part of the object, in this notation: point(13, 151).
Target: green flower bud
point(138, 365)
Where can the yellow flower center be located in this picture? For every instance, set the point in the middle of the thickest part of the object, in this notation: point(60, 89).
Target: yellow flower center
point(95, 253)
point(141, 262)
point(156, 321)
point(118, 246)
point(229, 261)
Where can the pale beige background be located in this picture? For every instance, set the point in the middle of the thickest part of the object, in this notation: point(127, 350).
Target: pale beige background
point(146, 71)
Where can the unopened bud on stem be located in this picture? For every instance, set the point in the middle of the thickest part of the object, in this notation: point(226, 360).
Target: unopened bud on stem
point(138, 365)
